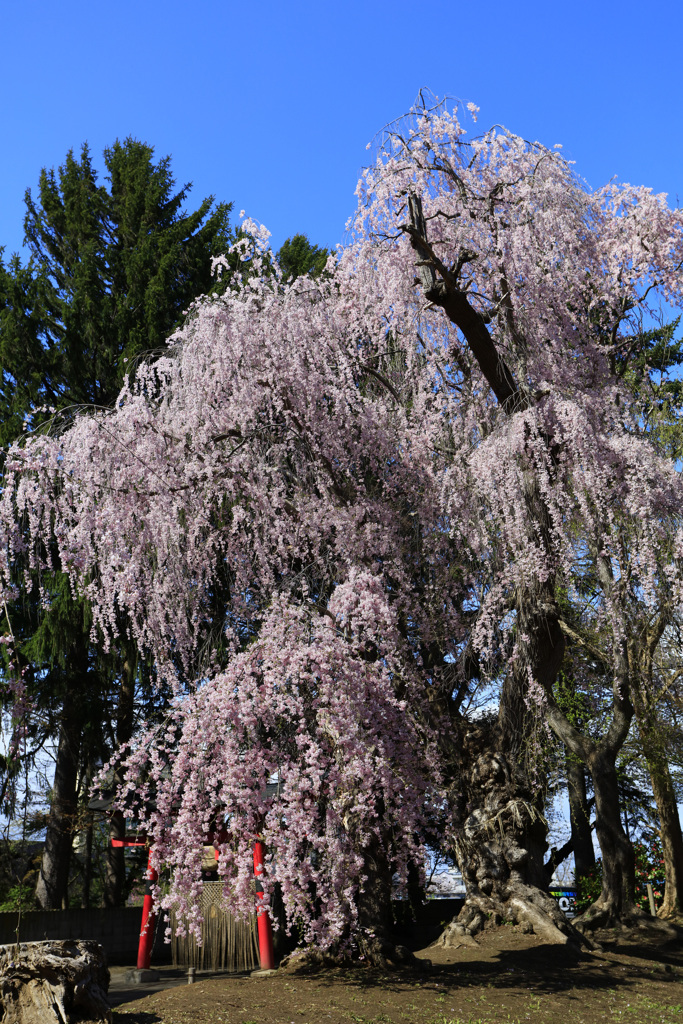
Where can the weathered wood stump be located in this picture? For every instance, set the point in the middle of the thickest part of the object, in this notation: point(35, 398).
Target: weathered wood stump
point(54, 982)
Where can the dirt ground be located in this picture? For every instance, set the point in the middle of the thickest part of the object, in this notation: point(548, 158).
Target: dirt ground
point(508, 978)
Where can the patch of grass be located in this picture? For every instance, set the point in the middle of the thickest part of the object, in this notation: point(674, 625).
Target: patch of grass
point(664, 1013)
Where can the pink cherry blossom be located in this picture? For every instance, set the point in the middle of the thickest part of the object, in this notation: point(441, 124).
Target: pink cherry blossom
point(315, 500)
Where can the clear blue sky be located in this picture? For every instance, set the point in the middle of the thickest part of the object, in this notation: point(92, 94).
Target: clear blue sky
point(271, 105)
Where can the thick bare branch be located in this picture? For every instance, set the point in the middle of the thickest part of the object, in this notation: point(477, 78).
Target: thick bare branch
point(444, 292)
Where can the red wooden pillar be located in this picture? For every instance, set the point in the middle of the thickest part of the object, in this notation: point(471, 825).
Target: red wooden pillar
point(265, 929)
point(149, 920)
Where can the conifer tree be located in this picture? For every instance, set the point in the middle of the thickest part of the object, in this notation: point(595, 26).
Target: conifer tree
point(111, 271)
point(297, 256)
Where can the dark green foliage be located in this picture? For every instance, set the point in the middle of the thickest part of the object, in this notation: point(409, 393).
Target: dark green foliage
point(19, 863)
point(572, 700)
point(650, 362)
point(18, 897)
point(297, 256)
point(26, 363)
point(111, 272)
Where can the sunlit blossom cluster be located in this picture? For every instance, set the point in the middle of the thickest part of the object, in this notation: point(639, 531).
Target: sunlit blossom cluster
point(305, 711)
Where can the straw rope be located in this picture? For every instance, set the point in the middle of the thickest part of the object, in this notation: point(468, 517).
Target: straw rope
point(227, 944)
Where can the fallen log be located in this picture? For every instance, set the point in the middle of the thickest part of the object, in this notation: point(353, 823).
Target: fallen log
point(54, 982)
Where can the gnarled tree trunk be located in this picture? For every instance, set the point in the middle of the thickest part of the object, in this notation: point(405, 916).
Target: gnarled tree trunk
point(501, 839)
point(54, 982)
point(500, 828)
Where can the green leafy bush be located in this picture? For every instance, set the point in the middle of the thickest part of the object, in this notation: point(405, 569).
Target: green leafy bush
point(18, 897)
point(649, 868)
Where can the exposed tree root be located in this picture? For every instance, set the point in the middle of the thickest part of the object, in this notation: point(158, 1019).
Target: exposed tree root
point(603, 916)
point(381, 952)
point(381, 955)
point(531, 909)
point(673, 916)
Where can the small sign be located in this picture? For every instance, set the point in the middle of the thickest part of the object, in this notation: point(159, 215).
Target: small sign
point(566, 900)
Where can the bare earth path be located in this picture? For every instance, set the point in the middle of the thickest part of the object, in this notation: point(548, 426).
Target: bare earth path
point(508, 978)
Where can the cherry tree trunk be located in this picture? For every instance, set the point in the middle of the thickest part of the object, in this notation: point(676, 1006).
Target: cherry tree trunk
point(500, 846)
point(376, 937)
point(377, 942)
point(54, 982)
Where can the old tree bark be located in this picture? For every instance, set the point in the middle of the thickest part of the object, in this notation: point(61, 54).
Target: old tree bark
point(54, 982)
point(497, 800)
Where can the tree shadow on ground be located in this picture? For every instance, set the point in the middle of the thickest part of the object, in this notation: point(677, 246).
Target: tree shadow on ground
point(545, 968)
point(542, 968)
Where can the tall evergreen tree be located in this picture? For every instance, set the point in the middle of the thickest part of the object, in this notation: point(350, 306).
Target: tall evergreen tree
point(111, 270)
point(110, 274)
point(297, 256)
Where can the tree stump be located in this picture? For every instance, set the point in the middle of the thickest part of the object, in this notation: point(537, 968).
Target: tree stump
point(54, 982)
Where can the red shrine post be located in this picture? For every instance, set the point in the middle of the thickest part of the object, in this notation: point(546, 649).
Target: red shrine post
point(149, 918)
point(265, 929)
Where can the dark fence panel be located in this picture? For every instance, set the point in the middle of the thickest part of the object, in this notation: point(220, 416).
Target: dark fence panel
point(116, 929)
